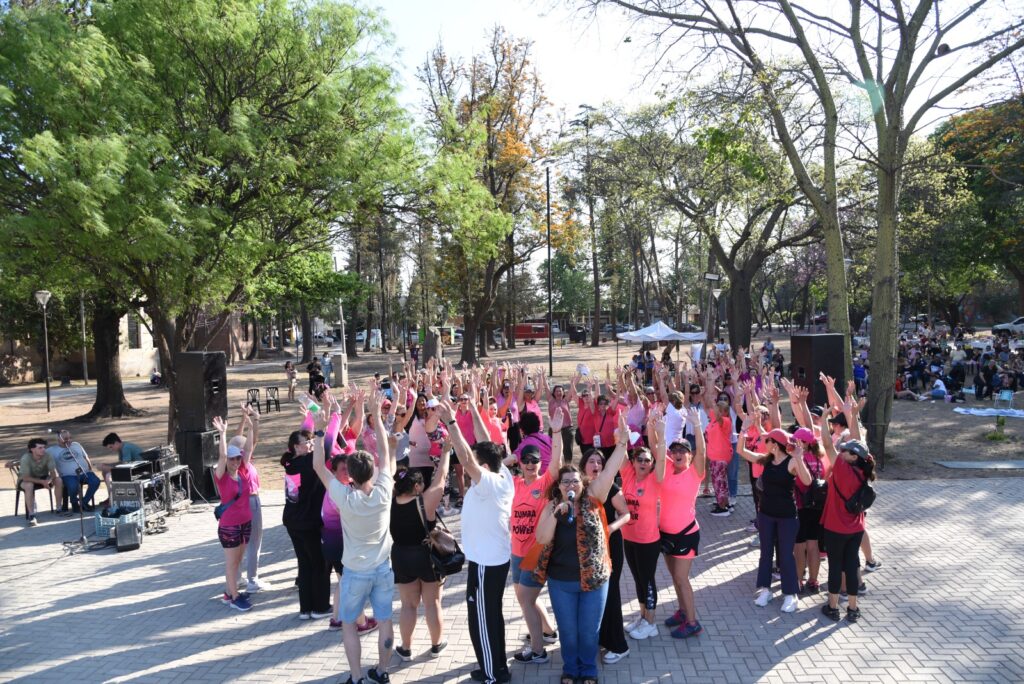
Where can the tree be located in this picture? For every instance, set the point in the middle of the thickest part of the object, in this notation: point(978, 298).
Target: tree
point(989, 142)
point(481, 117)
point(889, 55)
point(195, 147)
point(570, 284)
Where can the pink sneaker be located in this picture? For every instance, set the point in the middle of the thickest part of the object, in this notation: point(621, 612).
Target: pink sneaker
point(334, 625)
point(368, 626)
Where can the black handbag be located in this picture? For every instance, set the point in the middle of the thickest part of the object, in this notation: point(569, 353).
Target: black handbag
point(817, 492)
point(861, 499)
point(446, 556)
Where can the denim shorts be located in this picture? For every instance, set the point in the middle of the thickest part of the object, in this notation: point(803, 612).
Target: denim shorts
point(523, 577)
point(376, 586)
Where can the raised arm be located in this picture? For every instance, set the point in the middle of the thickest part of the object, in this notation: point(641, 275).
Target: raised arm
point(386, 459)
point(700, 454)
point(556, 443)
point(797, 465)
point(320, 460)
point(461, 446)
point(600, 486)
point(222, 459)
point(656, 437)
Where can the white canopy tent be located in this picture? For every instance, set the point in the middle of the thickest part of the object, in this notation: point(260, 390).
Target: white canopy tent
point(659, 332)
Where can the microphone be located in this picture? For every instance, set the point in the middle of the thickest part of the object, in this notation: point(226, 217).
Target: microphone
point(572, 509)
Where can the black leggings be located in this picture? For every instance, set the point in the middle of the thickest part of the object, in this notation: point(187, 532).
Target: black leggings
point(642, 560)
point(843, 556)
point(612, 635)
point(314, 576)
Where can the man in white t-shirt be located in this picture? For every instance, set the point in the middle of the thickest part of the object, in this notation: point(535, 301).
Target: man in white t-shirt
point(365, 508)
point(487, 543)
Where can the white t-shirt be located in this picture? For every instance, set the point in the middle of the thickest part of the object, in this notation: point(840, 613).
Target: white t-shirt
point(365, 523)
point(674, 419)
point(486, 510)
point(939, 385)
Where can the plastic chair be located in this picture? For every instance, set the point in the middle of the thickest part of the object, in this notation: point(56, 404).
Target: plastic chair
point(1003, 399)
point(271, 394)
point(252, 398)
point(15, 468)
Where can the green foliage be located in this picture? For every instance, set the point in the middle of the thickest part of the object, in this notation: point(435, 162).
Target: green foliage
point(572, 290)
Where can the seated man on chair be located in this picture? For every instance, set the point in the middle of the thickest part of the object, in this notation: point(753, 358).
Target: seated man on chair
point(126, 453)
point(75, 469)
point(38, 470)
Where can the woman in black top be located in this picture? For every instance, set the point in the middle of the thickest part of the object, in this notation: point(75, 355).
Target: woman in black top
point(413, 514)
point(303, 521)
point(777, 521)
point(613, 635)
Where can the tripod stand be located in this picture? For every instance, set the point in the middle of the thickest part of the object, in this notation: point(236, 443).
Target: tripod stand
point(80, 545)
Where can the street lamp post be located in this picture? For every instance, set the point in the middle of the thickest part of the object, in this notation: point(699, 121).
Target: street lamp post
point(402, 301)
point(551, 334)
point(85, 361)
point(711, 278)
point(43, 296)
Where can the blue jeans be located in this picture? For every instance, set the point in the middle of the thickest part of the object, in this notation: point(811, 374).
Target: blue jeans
point(782, 531)
point(733, 474)
point(72, 483)
point(578, 614)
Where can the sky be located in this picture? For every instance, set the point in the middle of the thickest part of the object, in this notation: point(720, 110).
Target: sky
point(579, 58)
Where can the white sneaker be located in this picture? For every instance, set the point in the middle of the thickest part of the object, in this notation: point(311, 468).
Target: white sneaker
point(763, 597)
point(755, 541)
point(630, 626)
point(255, 585)
point(732, 501)
point(789, 604)
point(611, 657)
point(644, 630)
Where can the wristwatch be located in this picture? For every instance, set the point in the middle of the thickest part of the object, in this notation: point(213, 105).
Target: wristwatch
point(319, 433)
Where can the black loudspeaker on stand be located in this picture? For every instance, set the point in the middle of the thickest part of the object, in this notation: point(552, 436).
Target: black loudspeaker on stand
point(202, 394)
point(819, 353)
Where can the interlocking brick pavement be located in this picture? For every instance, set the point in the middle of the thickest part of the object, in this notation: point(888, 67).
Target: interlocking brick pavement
point(945, 607)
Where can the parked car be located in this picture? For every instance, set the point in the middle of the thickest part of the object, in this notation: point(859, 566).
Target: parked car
point(374, 337)
point(577, 332)
point(689, 327)
point(323, 338)
point(1015, 327)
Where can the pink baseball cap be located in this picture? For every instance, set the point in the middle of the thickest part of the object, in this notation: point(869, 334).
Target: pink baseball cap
point(778, 435)
point(805, 435)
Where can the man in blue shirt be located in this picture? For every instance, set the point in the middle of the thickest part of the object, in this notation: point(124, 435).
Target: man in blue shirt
point(126, 453)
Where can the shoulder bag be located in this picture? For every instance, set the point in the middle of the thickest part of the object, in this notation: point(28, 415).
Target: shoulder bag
point(816, 493)
point(861, 499)
point(445, 555)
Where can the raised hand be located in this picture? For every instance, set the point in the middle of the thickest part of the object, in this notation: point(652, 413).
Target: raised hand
point(556, 421)
point(219, 425)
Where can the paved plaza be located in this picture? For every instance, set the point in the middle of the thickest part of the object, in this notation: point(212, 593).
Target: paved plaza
point(945, 607)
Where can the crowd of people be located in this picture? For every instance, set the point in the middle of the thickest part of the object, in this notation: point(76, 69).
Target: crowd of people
point(559, 486)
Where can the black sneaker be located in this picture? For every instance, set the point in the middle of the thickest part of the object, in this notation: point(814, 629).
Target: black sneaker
point(528, 656)
point(378, 677)
point(852, 614)
point(549, 637)
point(829, 612)
point(720, 512)
point(436, 649)
point(404, 654)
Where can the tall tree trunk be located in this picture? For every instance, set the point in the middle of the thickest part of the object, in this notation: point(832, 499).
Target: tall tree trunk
point(740, 307)
point(110, 401)
point(885, 303)
point(255, 350)
point(307, 334)
point(1017, 271)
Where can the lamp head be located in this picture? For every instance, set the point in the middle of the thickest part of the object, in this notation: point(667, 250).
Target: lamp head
point(42, 296)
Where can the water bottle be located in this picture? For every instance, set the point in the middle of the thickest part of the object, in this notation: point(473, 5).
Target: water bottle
point(310, 404)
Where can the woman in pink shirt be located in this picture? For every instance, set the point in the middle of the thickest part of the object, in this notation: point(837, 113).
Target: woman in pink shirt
point(720, 449)
point(558, 403)
point(234, 528)
point(530, 498)
point(810, 534)
point(680, 533)
point(642, 538)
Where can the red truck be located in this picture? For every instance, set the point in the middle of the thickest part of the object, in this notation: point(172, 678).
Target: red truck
point(529, 333)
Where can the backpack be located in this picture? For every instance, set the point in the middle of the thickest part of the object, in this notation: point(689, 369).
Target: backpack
point(861, 499)
point(817, 492)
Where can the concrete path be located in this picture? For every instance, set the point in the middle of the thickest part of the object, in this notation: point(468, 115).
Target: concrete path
point(945, 607)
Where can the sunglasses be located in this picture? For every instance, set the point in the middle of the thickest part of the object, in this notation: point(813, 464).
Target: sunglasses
point(644, 459)
point(528, 460)
point(694, 391)
point(570, 483)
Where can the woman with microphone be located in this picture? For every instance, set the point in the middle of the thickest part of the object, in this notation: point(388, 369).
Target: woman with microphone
point(575, 560)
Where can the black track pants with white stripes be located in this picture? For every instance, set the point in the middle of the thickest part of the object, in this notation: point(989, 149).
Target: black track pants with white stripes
point(485, 588)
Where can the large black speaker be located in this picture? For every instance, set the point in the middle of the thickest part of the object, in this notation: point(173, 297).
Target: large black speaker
point(814, 354)
point(202, 389)
point(199, 451)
